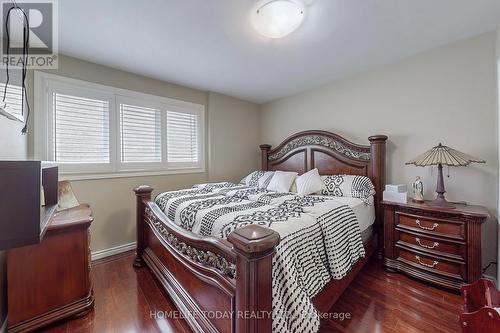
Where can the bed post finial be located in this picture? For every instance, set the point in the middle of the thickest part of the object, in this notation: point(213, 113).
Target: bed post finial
point(254, 246)
point(264, 149)
point(143, 193)
point(377, 150)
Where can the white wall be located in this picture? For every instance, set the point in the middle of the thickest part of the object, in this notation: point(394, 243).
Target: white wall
point(234, 138)
point(14, 145)
point(112, 200)
point(444, 95)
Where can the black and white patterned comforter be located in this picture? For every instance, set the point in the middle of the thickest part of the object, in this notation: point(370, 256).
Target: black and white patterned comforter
point(320, 239)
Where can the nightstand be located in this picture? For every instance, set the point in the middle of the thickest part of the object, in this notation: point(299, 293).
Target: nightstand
point(51, 281)
point(440, 246)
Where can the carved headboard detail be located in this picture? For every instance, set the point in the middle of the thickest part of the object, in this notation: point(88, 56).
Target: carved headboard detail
point(328, 141)
point(331, 154)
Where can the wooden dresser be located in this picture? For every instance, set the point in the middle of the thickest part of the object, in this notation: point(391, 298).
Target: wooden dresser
point(440, 246)
point(51, 280)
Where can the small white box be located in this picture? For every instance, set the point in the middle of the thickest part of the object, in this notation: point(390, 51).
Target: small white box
point(395, 196)
point(398, 188)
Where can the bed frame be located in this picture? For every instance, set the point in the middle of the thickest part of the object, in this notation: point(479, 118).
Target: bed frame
point(224, 285)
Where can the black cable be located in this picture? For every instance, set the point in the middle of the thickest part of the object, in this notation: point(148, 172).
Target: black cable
point(26, 38)
point(488, 266)
point(26, 33)
point(7, 31)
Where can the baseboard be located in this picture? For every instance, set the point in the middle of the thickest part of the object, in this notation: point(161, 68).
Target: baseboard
point(3, 326)
point(112, 251)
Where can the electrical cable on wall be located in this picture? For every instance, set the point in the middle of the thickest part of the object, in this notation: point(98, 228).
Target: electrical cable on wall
point(24, 61)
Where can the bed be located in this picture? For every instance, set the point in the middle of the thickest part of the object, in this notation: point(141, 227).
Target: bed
point(226, 284)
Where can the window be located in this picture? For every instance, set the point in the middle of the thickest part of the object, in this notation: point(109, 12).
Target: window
point(140, 133)
point(93, 129)
point(80, 129)
point(182, 138)
point(13, 100)
point(12, 106)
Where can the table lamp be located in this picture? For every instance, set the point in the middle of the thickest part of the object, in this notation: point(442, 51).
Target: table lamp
point(443, 155)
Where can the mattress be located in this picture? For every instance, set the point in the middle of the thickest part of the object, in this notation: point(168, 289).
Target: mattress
point(364, 213)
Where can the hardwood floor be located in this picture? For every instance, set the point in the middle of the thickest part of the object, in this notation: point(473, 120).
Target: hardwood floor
point(378, 301)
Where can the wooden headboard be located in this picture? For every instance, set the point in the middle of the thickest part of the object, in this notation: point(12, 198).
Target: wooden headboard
point(332, 155)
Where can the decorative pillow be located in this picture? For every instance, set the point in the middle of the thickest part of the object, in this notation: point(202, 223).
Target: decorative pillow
point(258, 179)
point(348, 186)
point(309, 182)
point(282, 181)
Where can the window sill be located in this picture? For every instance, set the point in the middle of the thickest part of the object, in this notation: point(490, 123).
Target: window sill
point(126, 174)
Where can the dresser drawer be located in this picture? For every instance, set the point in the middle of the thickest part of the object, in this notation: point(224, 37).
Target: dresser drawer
point(433, 245)
point(433, 264)
point(431, 226)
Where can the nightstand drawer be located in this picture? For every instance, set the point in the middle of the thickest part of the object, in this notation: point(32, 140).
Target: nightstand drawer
point(431, 226)
point(432, 264)
point(433, 245)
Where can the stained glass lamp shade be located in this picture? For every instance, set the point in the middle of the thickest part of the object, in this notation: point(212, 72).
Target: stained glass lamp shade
point(443, 155)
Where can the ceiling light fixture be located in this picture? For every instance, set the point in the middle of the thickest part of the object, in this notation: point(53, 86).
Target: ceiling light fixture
point(277, 18)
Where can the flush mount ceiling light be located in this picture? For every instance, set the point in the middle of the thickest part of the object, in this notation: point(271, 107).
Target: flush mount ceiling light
point(277, 18)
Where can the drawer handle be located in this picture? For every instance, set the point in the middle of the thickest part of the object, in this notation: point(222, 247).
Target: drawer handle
point(435, 244)
point(434, 226)
point(434, 263)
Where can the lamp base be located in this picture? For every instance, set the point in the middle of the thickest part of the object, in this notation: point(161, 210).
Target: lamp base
point(441, 203)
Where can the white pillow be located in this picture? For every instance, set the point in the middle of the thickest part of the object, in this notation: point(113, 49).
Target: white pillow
point(308, 183)
point(281, 181)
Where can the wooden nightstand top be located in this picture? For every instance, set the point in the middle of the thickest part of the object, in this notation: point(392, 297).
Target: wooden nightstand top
point(72, 217)
point(461, 209)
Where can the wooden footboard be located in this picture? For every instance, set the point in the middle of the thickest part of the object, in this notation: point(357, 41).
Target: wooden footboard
point(199, 273)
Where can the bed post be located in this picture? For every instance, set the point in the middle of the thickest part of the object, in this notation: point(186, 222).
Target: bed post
point(264, 150)
point(254, 246)
point(377, 163)
point(143, 193)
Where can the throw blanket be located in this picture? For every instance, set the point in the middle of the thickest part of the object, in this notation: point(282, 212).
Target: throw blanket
point(320, 239)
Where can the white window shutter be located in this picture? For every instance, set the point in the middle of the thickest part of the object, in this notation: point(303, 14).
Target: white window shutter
point(140, 134)
point(182, 138)
point(13, 103)
point(80, 129)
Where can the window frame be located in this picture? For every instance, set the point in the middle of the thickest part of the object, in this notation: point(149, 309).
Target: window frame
point(44, 84)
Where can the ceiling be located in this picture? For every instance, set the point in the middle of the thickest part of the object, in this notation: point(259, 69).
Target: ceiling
point(210, 44)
